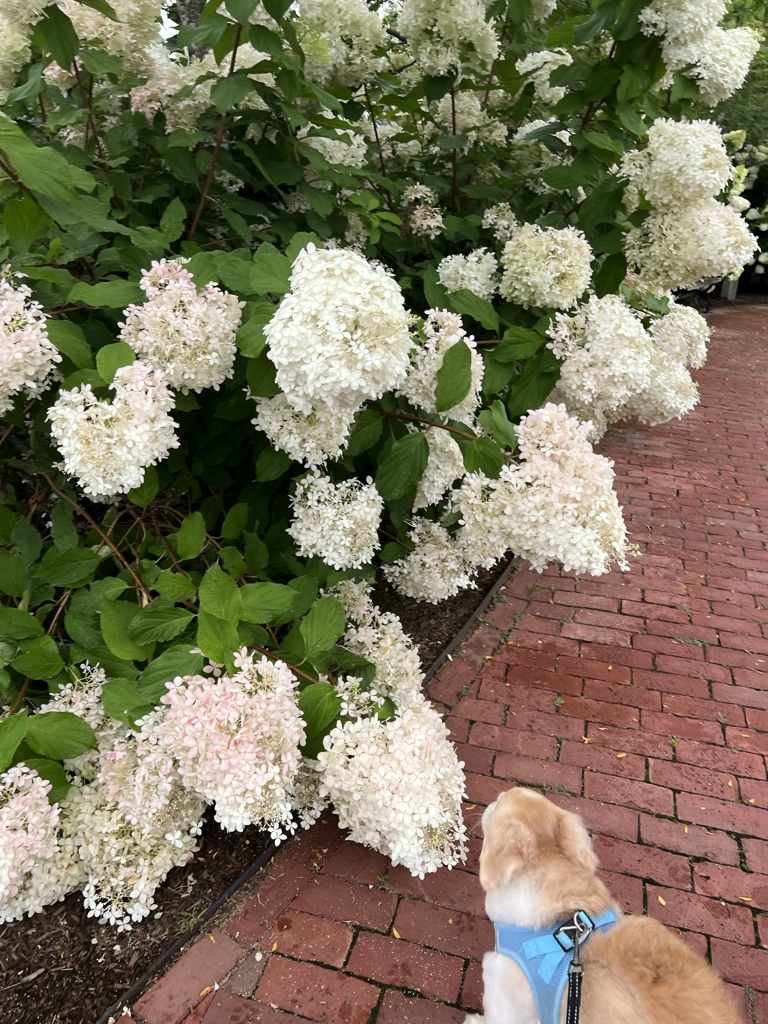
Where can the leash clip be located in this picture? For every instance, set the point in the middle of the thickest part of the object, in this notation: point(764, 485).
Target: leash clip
point(569, 935)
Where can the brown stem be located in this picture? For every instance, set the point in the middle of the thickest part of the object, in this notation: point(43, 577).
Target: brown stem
point(218, 140)
point(375, 127)
point(88, 103)
point(275, 657)
point(430, 423)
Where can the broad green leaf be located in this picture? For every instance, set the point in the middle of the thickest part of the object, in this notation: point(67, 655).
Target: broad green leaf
point(41, 168)
point(271, 464)
point(27, 541)
point(271, 271)
point(235, 521)
point(13, 729)
point(172, 220)
point(25, 222)
point(14, 575)
point(610, 274)
point(16, 624)
point(54, 773)
point(126, 700)
point(220, 595)
point(227, 93)
point(323, 626)
point(464, 301)
point(68, 568)
point(147, 490)
point(63, 532)
point(216, 638)
point(176, 661)
point(366, 431)
point(320, 707)
point(112, 294)
point(495, 422)
point(55, 33)
point(69, 339)
point(174, 586)
point(267, 602)
point(250, 337)
point(40, 658)
point(531, 388)
point(454, 378)
point(116, 617)
point(111, 358)
point(191, 538)
point(484, 456)
point(158, 623)
point(401, 469)
point(60, 734)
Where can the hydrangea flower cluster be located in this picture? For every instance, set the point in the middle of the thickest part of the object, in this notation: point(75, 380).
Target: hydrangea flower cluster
point(345, 147)
point(501, 221)
point(444, 467)
point(339, 39)
point(464, 114)
point(539, 66)
point(341, 335)
point(29, 827)
point(477, 272)
point(312, 439)
point(134, 30)
point(397, 786)
point(337, 522)
point(26, 355)
point(546, 267)
point(557, 505)
point(677, 248)
point(186, 333)
point(437, 568)
point(107, 446)
point(682, 161)
point(683, 334)
point(437, 31)
point(424, 218)
point(442, 330)
point(236, 741)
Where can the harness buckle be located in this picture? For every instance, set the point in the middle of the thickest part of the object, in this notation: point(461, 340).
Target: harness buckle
point(576, 930)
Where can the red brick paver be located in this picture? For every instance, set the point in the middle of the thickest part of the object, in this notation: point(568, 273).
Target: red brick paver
point(638, 700)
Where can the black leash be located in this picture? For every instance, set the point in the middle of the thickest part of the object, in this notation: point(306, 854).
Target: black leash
point(575, 976)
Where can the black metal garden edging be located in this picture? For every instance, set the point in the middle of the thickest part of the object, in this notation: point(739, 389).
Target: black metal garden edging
point(269, 852)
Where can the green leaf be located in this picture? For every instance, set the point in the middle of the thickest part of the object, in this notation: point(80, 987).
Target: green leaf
point(69, 339)
point(41, 168)
point(126, 700)
point(216, 638)
point(322, 627)
point(176, 661)
point(220, 595)
point(99, 62)
point(54, 33)
point(110, 358)
point(60, 734)
point(401, 469)
point(40, 660)
point(158, 623)
point(320, 707)
point(28, 541)
point(111, 294)
point(271, 271)
point(464, 301)
point(116, 617)
point(531, 388)
point(147, 490)
point(227, 93)
point(25, 222)
point(494, 421)
point(483, 456)
point(610, 274)
point(266, 41)
point(454, 378)
point(14, 575)
point(174, 586)
point(271, 464)
point(437, 86)
point(102, 7)
point(54, 773)
point(192, 536)
point(16, 624)
point(267, 602)
point(633, 82)
point(70, 568)
point(517, 343)
point(600, 20)
point(250, 336)
point(368, 428)
point(173, 219)
point(13, 729)
point(235, 521)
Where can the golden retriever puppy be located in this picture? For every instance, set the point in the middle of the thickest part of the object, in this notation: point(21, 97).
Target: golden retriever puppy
point(537, 868)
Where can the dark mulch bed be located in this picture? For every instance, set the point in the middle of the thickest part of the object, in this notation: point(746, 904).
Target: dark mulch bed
point(61, 967)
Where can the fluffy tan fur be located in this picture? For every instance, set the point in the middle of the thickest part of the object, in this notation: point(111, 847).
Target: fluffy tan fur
point(537, 867)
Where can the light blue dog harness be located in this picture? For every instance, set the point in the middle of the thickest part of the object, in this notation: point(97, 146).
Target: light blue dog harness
point(544, 955)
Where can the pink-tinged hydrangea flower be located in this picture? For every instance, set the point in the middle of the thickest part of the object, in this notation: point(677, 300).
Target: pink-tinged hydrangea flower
point(337, 522)
point(398, 786)
point(236, 741)
point(186, 333)
point(26, 355)
point(341, 335)
point(546, 268)
point(107, 446)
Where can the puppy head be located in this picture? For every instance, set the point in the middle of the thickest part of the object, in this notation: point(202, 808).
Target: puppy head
point(522, 830)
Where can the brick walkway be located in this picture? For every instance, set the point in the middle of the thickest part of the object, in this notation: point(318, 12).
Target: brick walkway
point(638, 699)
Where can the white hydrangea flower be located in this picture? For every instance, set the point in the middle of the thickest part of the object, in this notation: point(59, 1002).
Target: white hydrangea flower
point(557, 505)
point(29, 827)
point(398, 786)
point(477, 272)
point(236, 741)
point(676, 248)
point(81, 697)
point(465, 114)
point(26, 355)
point(681, 20)
point(107, 446)
point(379, 638)
point(337, 522)
point(442, 330)
point(683, 334)
point(723, 62)
point(136, 27)
point(682, 162)
point(312, 439)
point(342, 146)
point(436, 31)
point(543, 8)
point(501, 221)
point(15, 53)
point(672, 394)
point(186, 333)
point(341, 335)
point(539, 66)
point(445, 466)
point(339, 39)
point(436, 569)
point(546, 267)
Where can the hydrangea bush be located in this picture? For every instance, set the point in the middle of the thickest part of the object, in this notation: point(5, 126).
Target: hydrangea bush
point(290, 296)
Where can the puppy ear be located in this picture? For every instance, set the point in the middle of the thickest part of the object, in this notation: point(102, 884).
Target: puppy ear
point(573, 839)
point(507, 847)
